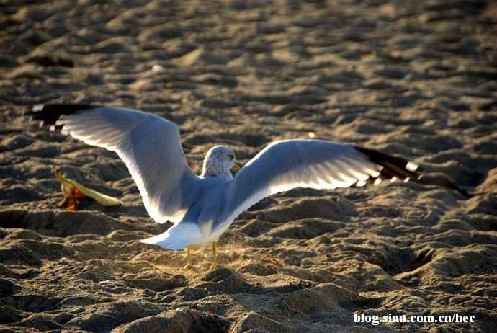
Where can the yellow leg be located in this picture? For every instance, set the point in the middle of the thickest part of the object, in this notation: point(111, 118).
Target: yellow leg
point(214, 255)
point(188, 258)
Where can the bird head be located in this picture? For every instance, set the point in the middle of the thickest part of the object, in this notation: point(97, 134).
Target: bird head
point(218, 161)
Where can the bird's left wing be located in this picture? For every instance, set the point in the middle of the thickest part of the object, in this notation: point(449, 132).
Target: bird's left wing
point(317, 164)
point(149, 146)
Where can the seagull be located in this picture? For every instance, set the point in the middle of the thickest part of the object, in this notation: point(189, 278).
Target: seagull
point(202, 208)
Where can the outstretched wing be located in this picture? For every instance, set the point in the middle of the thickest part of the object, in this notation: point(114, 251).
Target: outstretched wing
point(317, 164)
point(149, 146)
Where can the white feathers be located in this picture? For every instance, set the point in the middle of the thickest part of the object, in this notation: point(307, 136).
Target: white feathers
point(178, 237)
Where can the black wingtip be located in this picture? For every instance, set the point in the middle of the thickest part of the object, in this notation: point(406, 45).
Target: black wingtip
point(48, 114)
point(392, 166)
point(403, 169)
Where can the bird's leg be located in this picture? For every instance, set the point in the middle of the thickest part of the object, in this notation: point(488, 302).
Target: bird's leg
point(214, 255)
point(188, 258)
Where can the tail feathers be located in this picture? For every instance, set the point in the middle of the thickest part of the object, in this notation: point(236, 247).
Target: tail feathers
point(394, 167)
point(153, 240)
point(178, 237)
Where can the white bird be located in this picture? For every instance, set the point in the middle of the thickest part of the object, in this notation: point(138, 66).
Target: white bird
point(202, 207)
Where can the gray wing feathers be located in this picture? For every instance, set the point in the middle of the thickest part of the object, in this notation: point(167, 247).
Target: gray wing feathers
point(151, 150)
point(285, 165)
point(103, 127)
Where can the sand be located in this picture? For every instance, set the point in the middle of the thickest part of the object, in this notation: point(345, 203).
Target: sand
point(413, 78)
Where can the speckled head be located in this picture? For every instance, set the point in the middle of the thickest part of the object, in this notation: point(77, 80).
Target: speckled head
point(218, 162)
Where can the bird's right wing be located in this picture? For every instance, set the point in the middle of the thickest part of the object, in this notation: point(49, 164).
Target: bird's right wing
point(317, 164)
point(149, 146)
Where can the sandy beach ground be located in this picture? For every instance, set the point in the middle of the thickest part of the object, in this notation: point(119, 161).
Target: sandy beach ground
point(413, 78)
